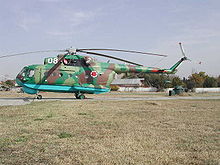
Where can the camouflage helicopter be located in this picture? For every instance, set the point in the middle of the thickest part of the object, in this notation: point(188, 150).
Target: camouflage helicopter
point(73, 73)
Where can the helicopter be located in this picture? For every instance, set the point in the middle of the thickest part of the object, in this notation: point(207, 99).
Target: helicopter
point(80, 75)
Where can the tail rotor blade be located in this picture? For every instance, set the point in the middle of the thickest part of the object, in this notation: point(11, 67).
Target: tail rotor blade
point(182, 50)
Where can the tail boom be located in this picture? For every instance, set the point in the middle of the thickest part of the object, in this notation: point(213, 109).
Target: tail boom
point(123, 68)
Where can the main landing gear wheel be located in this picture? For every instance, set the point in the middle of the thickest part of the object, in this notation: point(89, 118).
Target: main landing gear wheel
point(80, 96)
point(39, 97)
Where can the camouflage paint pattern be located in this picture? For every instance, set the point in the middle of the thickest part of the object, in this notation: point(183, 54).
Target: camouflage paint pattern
point(80, 71)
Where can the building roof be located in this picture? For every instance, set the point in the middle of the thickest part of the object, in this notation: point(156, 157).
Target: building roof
point(127, 81)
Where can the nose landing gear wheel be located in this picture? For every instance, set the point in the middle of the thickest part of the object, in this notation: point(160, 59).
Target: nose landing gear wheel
point(80, 96)
point(39, 97)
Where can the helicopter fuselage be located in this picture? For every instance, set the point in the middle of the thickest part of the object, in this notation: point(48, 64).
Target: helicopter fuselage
point(77, 74)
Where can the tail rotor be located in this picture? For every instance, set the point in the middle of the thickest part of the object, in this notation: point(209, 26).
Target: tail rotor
point(183, 52)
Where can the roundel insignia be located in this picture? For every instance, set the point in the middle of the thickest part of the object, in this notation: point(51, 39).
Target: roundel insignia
point(94, 74)
point(65, 61)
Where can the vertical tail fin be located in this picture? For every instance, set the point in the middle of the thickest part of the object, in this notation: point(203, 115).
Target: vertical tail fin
point(184, 58)
point(178, 63)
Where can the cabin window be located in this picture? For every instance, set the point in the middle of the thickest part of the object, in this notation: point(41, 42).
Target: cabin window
point(74, 62)
point(61, 75)
point(54, 74)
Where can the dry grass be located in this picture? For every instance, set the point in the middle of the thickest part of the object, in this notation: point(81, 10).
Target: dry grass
point(111, 132)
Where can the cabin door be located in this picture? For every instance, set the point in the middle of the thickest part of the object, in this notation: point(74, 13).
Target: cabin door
point(38, 75)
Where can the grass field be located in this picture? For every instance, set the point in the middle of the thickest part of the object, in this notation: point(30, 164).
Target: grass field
point(111, 132)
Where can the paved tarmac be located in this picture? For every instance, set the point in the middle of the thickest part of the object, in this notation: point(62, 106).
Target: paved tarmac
point(27, 100)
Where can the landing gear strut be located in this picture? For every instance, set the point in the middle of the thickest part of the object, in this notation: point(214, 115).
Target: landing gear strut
point(39, 97)
point(80, 96)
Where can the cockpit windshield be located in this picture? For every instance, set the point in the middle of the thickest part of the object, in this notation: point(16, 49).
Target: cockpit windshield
point(26, 72)
point(22, 72)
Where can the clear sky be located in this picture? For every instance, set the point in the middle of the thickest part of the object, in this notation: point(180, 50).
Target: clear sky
point(144, 25)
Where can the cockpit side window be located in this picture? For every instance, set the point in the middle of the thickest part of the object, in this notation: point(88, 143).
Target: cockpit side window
point(31, 73)
point(23, 74)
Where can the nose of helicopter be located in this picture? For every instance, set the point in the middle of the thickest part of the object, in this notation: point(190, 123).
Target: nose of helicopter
point(20, 78)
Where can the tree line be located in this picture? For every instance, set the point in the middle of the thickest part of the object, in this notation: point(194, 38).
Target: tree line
point(8, 83)
point(161, 81)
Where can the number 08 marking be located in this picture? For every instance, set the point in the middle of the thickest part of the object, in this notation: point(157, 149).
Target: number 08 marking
point(52, 60)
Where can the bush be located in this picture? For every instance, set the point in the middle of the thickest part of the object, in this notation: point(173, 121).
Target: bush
point(114, 87)
point(64, 135)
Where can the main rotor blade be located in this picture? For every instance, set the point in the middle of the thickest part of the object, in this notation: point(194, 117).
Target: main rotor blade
point(127, 51)
point(21, 54)
point(108, 56)
point(54, 67)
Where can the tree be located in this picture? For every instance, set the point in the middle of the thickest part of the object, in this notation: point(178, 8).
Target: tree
point(129, 75)
point(158, 81)
point(190, 84)
point(210, 82)
point(218, 81)
point(9, 83)
point(197, 79)
point(176, 81)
